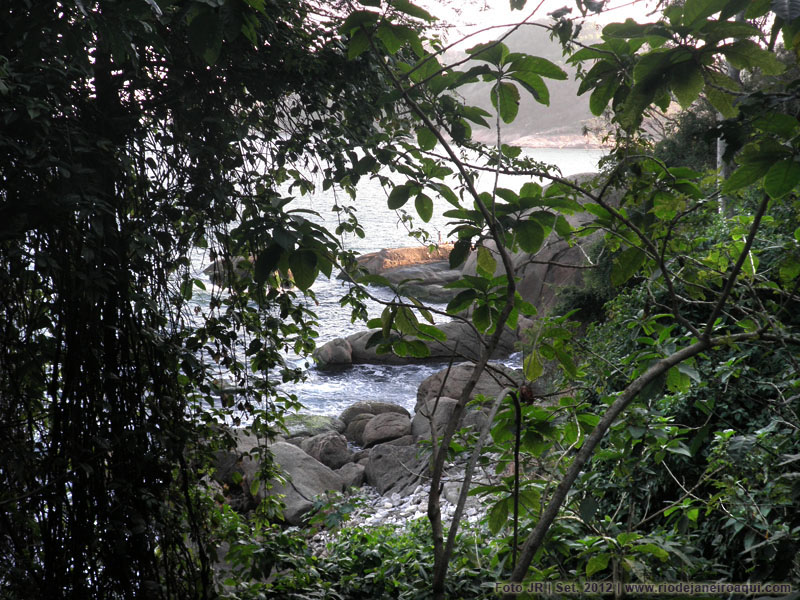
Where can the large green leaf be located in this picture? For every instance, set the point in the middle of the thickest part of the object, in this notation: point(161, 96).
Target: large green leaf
point(746, 54)
point(782, 178)
point(303, 264)
point(424, 206)
point(487, 264)
point(686, 81)
point(266, 263)
point(530, 235)
point(694, 11)
point(491, 52)
point(626, 264)
point(498, 515)
point(604, 91)
point(406, 7)
point(536, 64)
point(534, 84)
point(426, 139)
point(399, 196)
point(744, 176)
point(505, 98)
point(597, 563)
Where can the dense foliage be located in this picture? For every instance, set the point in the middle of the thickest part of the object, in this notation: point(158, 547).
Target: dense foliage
point(134, 133)
point(137, 133)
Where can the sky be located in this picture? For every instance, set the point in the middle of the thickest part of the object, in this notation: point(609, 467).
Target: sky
point(468, 16)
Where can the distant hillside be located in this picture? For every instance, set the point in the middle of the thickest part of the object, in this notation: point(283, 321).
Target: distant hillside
point(558, 125)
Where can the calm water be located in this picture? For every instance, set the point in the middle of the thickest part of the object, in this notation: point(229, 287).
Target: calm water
point(329, 392)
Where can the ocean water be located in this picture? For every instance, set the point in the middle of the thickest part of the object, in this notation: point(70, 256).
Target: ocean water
point(330, 392)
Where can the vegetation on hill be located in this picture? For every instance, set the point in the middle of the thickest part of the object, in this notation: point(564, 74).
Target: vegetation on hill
point(666, 449)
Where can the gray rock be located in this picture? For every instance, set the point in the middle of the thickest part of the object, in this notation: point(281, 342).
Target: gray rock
point(307, 477)
point(385, 427)
point(438, 412)
point(491, 382)
point(461, 339)
point(373, 408)
point(406, 440)
point(329, 448)
point(396, 469)
point(337, 352)
point(352, 474)
point(441, 412)
point(308, 425)
point(355, 429)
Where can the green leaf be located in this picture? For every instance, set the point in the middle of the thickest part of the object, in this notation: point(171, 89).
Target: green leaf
point(626, 264)
point(745, 175)
point(602, 94)
point(532, 366)
point(492, 52)
point(588, 508)
point(426, 139)
point(597, 563)
point(789, 271)
point(570, 433)
point(782, 178)
point(459, 253)
point(255, 486)
point(534, 84)
point(398, 196)
point(205, 35)
point(780, 124)
point(535, 64)
point(498, 515)
point(303, 265)
point(424, 206)
point(505, 98)
point(696, 10)
point(482, 318)
point(487, 264)
point(391, 41)
point(462, 301)
point(357, 19)
point(405, 321)
point(266, 263)
point(404, 6)
point(446, 193)
point(359, 43)
point(429, 332)
point(686, 81)
point(653, 549)
point(530, 235)
point(746, 54)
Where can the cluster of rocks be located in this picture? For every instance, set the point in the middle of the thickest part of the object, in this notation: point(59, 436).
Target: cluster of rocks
point(374, 443)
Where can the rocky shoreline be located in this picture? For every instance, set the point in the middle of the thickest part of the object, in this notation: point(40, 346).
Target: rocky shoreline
point(377, 445)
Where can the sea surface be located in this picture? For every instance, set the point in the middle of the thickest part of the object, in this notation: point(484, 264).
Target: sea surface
point(330, 392)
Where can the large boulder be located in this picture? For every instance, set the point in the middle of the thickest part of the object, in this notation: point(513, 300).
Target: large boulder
point(355, 429)
point(491, 382)
point(300, 425)
point(462, 341)
point(396, 469)
point(372, 408)
point(336, 352)
point(385, 427)
point(377, 263)
point(329, 448)
point(352, 474)
point(440, 412)
point(306, 478)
